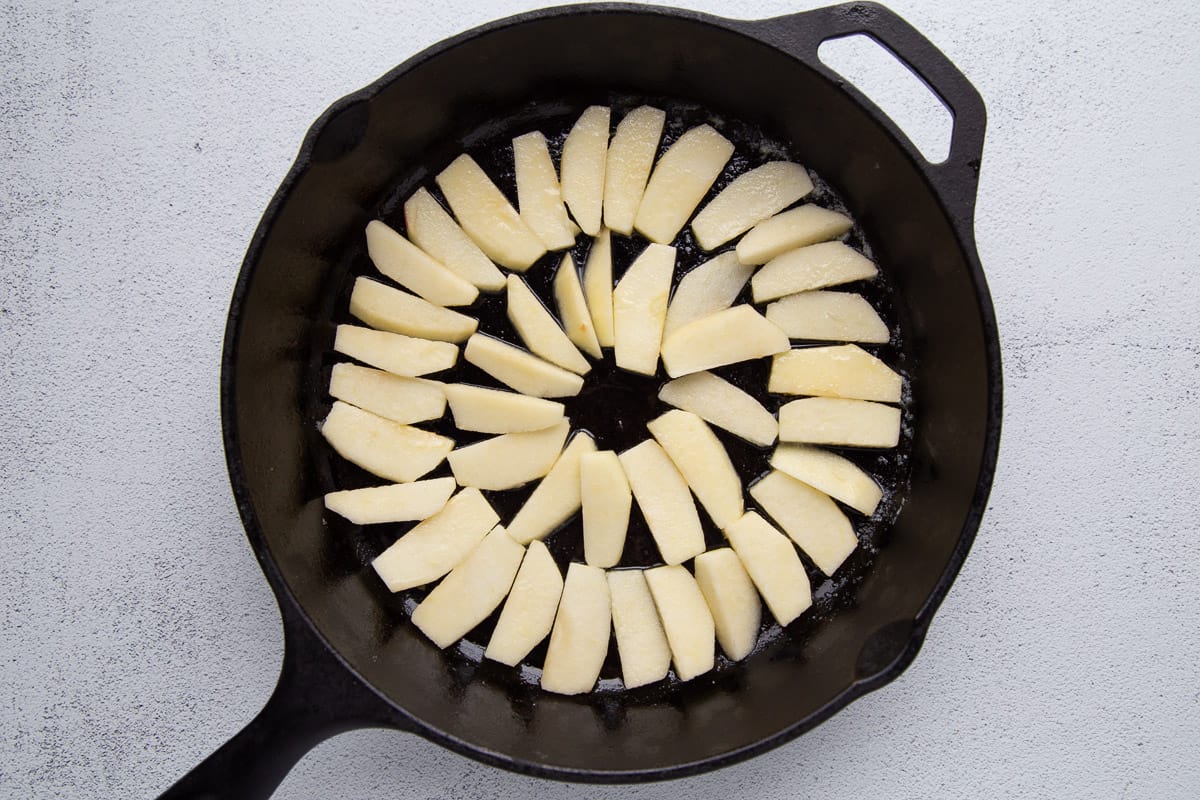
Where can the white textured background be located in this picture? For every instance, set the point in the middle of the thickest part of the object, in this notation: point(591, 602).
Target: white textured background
point(139, 144)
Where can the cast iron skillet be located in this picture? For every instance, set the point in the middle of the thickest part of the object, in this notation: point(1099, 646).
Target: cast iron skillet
point(351, 660)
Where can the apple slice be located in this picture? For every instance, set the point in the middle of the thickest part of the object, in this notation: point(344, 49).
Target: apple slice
point(439, 544)
point(394, 352)
point(519, 369)
point(707, 289)
point(583, 157)
point(702, 461)
point(641, 640)
point(748, 200)
point(487, 216)
point(630, 159)
point(528, 613)
point(810, 517)
point(720, 403)
point(726, 337)
point(832, 420)
point(412, 268)
point(497, 411)
point(556, 498)
point(813, 267)
point(398, 502)
point(393, 310)
point(471, 591)
point(799, 227)
point(606, 500)
point(540, 330)
point(640, 309)
point(598, 287)
point(572, 307)
point(508, 460)
point(538, 194)
point(579, 640)
point(382, 447)
point(732, 599)
point(828, 472)
point(432, 229)
point(665, 501)
point(686, 620)
point(830, 316)
point(838, 371)
point(773, 565)
point(679, 182)
point(403, 400)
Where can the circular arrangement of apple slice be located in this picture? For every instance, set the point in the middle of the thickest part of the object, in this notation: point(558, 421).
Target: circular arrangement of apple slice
point(606, 185)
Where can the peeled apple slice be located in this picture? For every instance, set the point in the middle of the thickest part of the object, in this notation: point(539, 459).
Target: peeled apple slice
point(399, 502)
point(497, 411)
point(538, 194)
point(487, 217)
point(584, 154)
point(828, 472)
point(799, 227)
point(720, 403)
point(382, 447)
point(640, 309)
point(394, 352)
point(630, 159)
point(707, 289)
point(437, 545)
point(412, 268)
point(432, 229)
point(732, 599)
point(773, 565)
point(665, 501)
point(810, 517)
point(702, 461)
point(508, 460)
point(579, 640)
point(403, 400)
point(471, 591)
point(556, 498)
point(528, 614)
point(606, 500)
point(832, 420)
point(829, 316)
point(679, 182)
point(686, 620)
point(839, 371)
point(598, 287)
point(519, 369)
point(540, 330)
point(812, 267)
point(748, 200)
point(726, 337)
point(393, 310)
point(641, 641)
point(572, 307)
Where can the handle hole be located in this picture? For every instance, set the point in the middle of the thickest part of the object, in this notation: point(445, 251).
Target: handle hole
point(882, 76)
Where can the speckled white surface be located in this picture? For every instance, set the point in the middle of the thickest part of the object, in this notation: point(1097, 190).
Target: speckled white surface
point(139, 144)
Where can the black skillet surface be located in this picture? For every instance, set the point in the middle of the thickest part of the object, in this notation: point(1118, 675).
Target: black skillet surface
point(351, 658)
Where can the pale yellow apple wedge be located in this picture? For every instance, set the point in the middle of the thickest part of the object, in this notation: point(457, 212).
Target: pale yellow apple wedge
point(707, 289)
point(810, 517)
point(487, 217)
point(640, 309)
point(732, 599)
point(833, 420)
point(403, 400)
point(799, 227)
point(556, 498)
point(412, 268)
point(772, 563)
point(432, 229)
point(630, 159)
point(748, 200)
point(641, 640)
point(539, 197)
point(830, 473)
point(508, 460)
point(439, 544)
point(584, 154)
point(726, 337)
point(528, 613)
point(665, 501)
point(396, 353)
point(702, 461)
point(382, 447)
point(813, 267)
point(720, 403)
point(606, 500)
point(519, 369)
point(686, 620)
point(828, 316)
point(540, 330)
point(598, 287)
point(397, 502)
point(684, 174)
point(397, 311)
point(579, 639)
point(497, 411)
point(471, 591)
point(837, 371)
point(572, 307)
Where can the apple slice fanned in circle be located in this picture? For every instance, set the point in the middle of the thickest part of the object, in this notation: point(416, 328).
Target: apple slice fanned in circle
point(396, 353)
point(630, 159)
point(799, 227)
point(809, 516)
point(487, 217)
point(834, 420)
point(830, 473)
point(432, 229)
point(476, 408)
point(773, 565)
point(557, 497)
point(828, 316)
point(412, 268)
point(606, 500)
point(539, 329)
point(528, 613)
point(520, 369)
point(403, 400)
point(641, 642)
point(702, 461)
point(400, 453)
point(726, 337)
point(663, 496)
point(584, 154)
point(579, 639)
point(707, 289)
point(573, 309)
point(748, 200)
point(598, 287)
point(732, 599)
point(508, 460)
point(837, 371)
point(720, 403)
point(686, 620)
point(640, 309)
point(389, 309)
point(679, 182)
point(538, 194)
point(398, 502)
point(812, 267)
